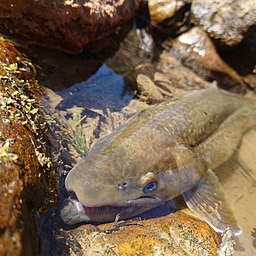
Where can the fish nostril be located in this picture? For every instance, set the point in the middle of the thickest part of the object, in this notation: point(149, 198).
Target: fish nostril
point(122, 185)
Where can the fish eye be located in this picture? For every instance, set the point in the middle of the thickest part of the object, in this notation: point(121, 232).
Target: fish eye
point(148, 182)
point(150, 187)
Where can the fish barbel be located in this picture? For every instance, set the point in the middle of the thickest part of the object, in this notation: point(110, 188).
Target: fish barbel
point(169, 149)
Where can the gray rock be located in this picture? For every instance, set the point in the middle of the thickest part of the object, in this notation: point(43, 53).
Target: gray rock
point(226, 21)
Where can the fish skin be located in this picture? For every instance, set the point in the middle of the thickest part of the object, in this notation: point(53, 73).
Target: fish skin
point(158, 154)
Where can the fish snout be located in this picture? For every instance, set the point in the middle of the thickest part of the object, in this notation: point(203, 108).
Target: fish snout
point(72, 211)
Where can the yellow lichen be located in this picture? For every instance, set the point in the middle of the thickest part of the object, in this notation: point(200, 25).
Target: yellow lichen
point(5, 155)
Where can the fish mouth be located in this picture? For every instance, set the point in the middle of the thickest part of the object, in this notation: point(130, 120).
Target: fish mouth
point(95, 209)
point(72, 211)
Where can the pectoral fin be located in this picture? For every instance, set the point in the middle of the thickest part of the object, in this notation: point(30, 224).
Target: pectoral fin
point(207, 200)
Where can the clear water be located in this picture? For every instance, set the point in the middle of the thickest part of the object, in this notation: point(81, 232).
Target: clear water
point(238, 176)
point(106, 99)
point(91, 106)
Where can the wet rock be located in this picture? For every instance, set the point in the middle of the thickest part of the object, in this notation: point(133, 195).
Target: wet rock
point(226, 248)
point(161, 10)
point(27, 178)
point(226, 21)
point(196, 51)
point(64, 25)
point(146, 47)
point(167, 73)
point(242, 59)
point(251, 80)
point(175, 234)
point(169, 17)
point(173, 78)
point(147, 89)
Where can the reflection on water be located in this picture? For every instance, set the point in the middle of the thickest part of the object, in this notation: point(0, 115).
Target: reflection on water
point(104, 90)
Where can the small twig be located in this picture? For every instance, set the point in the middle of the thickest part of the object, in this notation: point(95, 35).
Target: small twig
point(117, 224)
point(110, 249)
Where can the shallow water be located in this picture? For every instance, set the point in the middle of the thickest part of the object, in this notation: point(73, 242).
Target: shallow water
point(90, 107)
point(238, 176)
point(104, 102)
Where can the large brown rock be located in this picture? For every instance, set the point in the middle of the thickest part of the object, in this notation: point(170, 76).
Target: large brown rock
point(27, 178)
point(62, 24)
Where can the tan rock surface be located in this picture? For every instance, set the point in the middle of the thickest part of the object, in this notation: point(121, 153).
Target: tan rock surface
point(175, 234)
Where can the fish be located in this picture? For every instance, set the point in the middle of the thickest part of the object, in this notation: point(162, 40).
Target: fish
point(167, 150)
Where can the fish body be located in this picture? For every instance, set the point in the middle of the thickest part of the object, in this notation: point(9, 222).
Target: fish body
point(167, 150)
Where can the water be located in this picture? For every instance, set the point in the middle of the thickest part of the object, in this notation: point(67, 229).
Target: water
point(83, 106)
point(238, 176)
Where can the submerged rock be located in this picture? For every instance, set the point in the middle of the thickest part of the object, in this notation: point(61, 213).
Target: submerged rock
point(27, 177)
point(147, 89)
point(196, 51)
point(173, 78)
point(64, 25)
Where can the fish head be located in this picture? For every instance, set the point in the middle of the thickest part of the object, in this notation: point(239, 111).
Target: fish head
point(99, 193)
point(104, 187)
